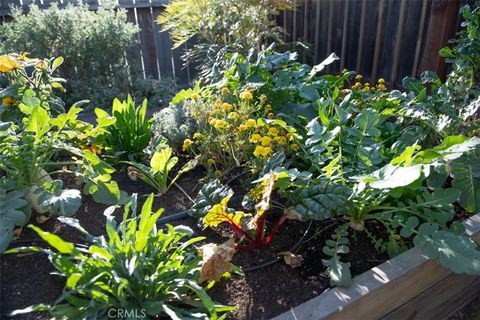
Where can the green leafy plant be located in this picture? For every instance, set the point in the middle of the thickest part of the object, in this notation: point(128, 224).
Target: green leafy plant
point(129, 134)
point(13, 212)
point(250, 228)
point(221, 27)
point(136, 267)
point(39, 83)
point(157, 174)
point(93, 43)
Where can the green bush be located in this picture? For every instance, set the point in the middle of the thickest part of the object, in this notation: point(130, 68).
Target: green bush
point(94, 45)
point(220, 27)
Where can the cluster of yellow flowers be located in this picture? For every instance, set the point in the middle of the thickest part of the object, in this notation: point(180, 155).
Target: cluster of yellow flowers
point(235, 122)
point(366, 87)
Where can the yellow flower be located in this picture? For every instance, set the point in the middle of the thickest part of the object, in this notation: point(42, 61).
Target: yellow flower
point(220, 124)
point(218, 172)
point(225, 90)
point(266, 141)
point(358, 77)
point(233, 116)
point(295, 147)
point(273, 132)
point(280, 140)
point(242, 127)
point(8, 101)
point(246, 95)
point(195, 96)
point(217, 103)
point(381, 80)
point(268, 108)
point(251, 123)
point(187, 143)
point(263, 98)
point(227, 107)
point(197, 136)
point(212, 121)
point(41, 65)
point(8, 64)
point(211, 161)
point(271, 115)
point(255, 138)
point(262, 151)
point(93, 149)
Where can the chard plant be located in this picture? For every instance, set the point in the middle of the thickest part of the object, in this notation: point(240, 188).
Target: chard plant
point(135, 266)
point(212, 207)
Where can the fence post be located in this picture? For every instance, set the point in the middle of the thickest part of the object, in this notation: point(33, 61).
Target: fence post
point(441, 28)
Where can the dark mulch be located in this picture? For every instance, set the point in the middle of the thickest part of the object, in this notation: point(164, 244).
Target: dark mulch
point(260, 294)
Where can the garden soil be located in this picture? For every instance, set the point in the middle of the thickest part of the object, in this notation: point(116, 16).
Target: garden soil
point(259, 294)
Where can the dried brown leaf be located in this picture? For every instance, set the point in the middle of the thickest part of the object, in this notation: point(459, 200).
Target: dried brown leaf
point(291, 259)
point(216, 260)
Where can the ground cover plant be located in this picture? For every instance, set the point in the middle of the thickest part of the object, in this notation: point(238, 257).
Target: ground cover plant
point(264, 148)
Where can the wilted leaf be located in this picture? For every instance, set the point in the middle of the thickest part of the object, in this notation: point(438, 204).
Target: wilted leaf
point(291, 259)
point(216, 260)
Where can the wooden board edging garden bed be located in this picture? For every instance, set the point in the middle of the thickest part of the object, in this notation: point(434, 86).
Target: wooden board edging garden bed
point(409, 286)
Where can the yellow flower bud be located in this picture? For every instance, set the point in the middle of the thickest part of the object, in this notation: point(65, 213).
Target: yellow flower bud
point(255, 138)
point(246, 95)
point(251, 123)
point(266, 141)
point(8, 101)
point(187, 143)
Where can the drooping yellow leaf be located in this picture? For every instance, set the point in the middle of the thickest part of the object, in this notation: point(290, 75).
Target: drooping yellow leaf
point(264, 203)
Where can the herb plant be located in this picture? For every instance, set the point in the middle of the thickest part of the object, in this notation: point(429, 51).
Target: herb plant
point(135, 267)
point(129, 134)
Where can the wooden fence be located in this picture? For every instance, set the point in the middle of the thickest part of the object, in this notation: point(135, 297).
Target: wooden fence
point(378, 38)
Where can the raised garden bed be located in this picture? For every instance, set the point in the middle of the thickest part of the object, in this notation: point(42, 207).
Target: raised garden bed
point(409, 286)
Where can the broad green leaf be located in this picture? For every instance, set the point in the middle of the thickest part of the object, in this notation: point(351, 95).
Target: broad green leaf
point(55, 241)
point(456, 252)
point(11, 214)
point(319, 67)
point(38, 122)
point(466, 177)
point(211, 194)
point(320, 201)
point(64, 202)
point(391, 176)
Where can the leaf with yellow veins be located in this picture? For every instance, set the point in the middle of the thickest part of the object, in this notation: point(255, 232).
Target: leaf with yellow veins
point(218, 214)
